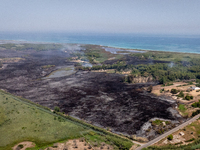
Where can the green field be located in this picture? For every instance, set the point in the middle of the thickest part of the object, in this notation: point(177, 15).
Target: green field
point(19, 122)
point(23, 121)
point(183, 110)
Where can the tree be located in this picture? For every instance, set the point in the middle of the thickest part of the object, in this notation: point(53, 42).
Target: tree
point(170, 137)
point(56, 109)
point(163, 80)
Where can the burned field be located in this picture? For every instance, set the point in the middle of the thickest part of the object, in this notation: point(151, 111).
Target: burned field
point(99, 98)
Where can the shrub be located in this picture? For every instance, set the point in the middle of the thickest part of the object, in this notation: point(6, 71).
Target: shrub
point(196, 113)
point(169, 84)
point(170, 137)
point(174, 91)
point(150, 88)
point(56, 109)
point(157, 122)
point(187, 97)
point(126, 145)
point(20, 146)
point(162, 90)
point(196, 104)
point(190, 83)
point(192, 139)
point(181, 94)
point(160, 131)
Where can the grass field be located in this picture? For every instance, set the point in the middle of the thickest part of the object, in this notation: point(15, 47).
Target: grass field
point(19, 122)
point(23, 121)
point(182, 108)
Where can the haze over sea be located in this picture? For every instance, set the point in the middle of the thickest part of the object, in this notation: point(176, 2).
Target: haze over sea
point(173, 43)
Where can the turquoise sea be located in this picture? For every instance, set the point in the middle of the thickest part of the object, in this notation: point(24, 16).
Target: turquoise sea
point(175, 43)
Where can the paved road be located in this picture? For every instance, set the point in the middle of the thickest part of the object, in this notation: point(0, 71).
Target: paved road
point(168, 133)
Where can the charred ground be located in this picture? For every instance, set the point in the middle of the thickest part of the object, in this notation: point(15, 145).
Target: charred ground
point(99, 98)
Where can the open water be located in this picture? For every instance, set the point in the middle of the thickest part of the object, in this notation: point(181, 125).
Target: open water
point(174, 43)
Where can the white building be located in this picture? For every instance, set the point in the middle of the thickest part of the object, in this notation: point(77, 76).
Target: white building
point(194, 88)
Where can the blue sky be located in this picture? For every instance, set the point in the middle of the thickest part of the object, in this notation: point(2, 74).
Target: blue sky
point(110, 16)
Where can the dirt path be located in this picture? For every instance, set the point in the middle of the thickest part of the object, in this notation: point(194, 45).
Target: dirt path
point(26, 144)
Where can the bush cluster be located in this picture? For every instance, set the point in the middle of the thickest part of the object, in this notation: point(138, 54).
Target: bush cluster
point(187, 97)
point(196, 104)
point(174, 91)
point(181, 94)
point(170, 137)
point(196, 112)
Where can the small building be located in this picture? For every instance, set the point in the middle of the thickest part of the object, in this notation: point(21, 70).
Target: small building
point(181, 133)
point(164, 124)
point(194, 88)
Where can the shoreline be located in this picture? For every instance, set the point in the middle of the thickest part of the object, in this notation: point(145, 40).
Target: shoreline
point(106, 46)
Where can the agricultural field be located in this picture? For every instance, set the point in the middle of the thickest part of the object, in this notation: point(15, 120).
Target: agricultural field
point(19, 122)
point(22, 121)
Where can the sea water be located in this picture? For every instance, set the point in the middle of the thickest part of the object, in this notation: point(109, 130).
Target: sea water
point(173, 43)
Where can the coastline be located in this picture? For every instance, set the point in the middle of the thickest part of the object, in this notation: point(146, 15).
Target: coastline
point(104, 46)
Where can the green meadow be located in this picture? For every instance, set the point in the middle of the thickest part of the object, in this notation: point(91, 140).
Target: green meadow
point(20, 122)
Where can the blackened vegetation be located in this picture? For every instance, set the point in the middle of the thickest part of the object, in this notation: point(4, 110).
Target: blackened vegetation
point(99, 98)
point(31, 68)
